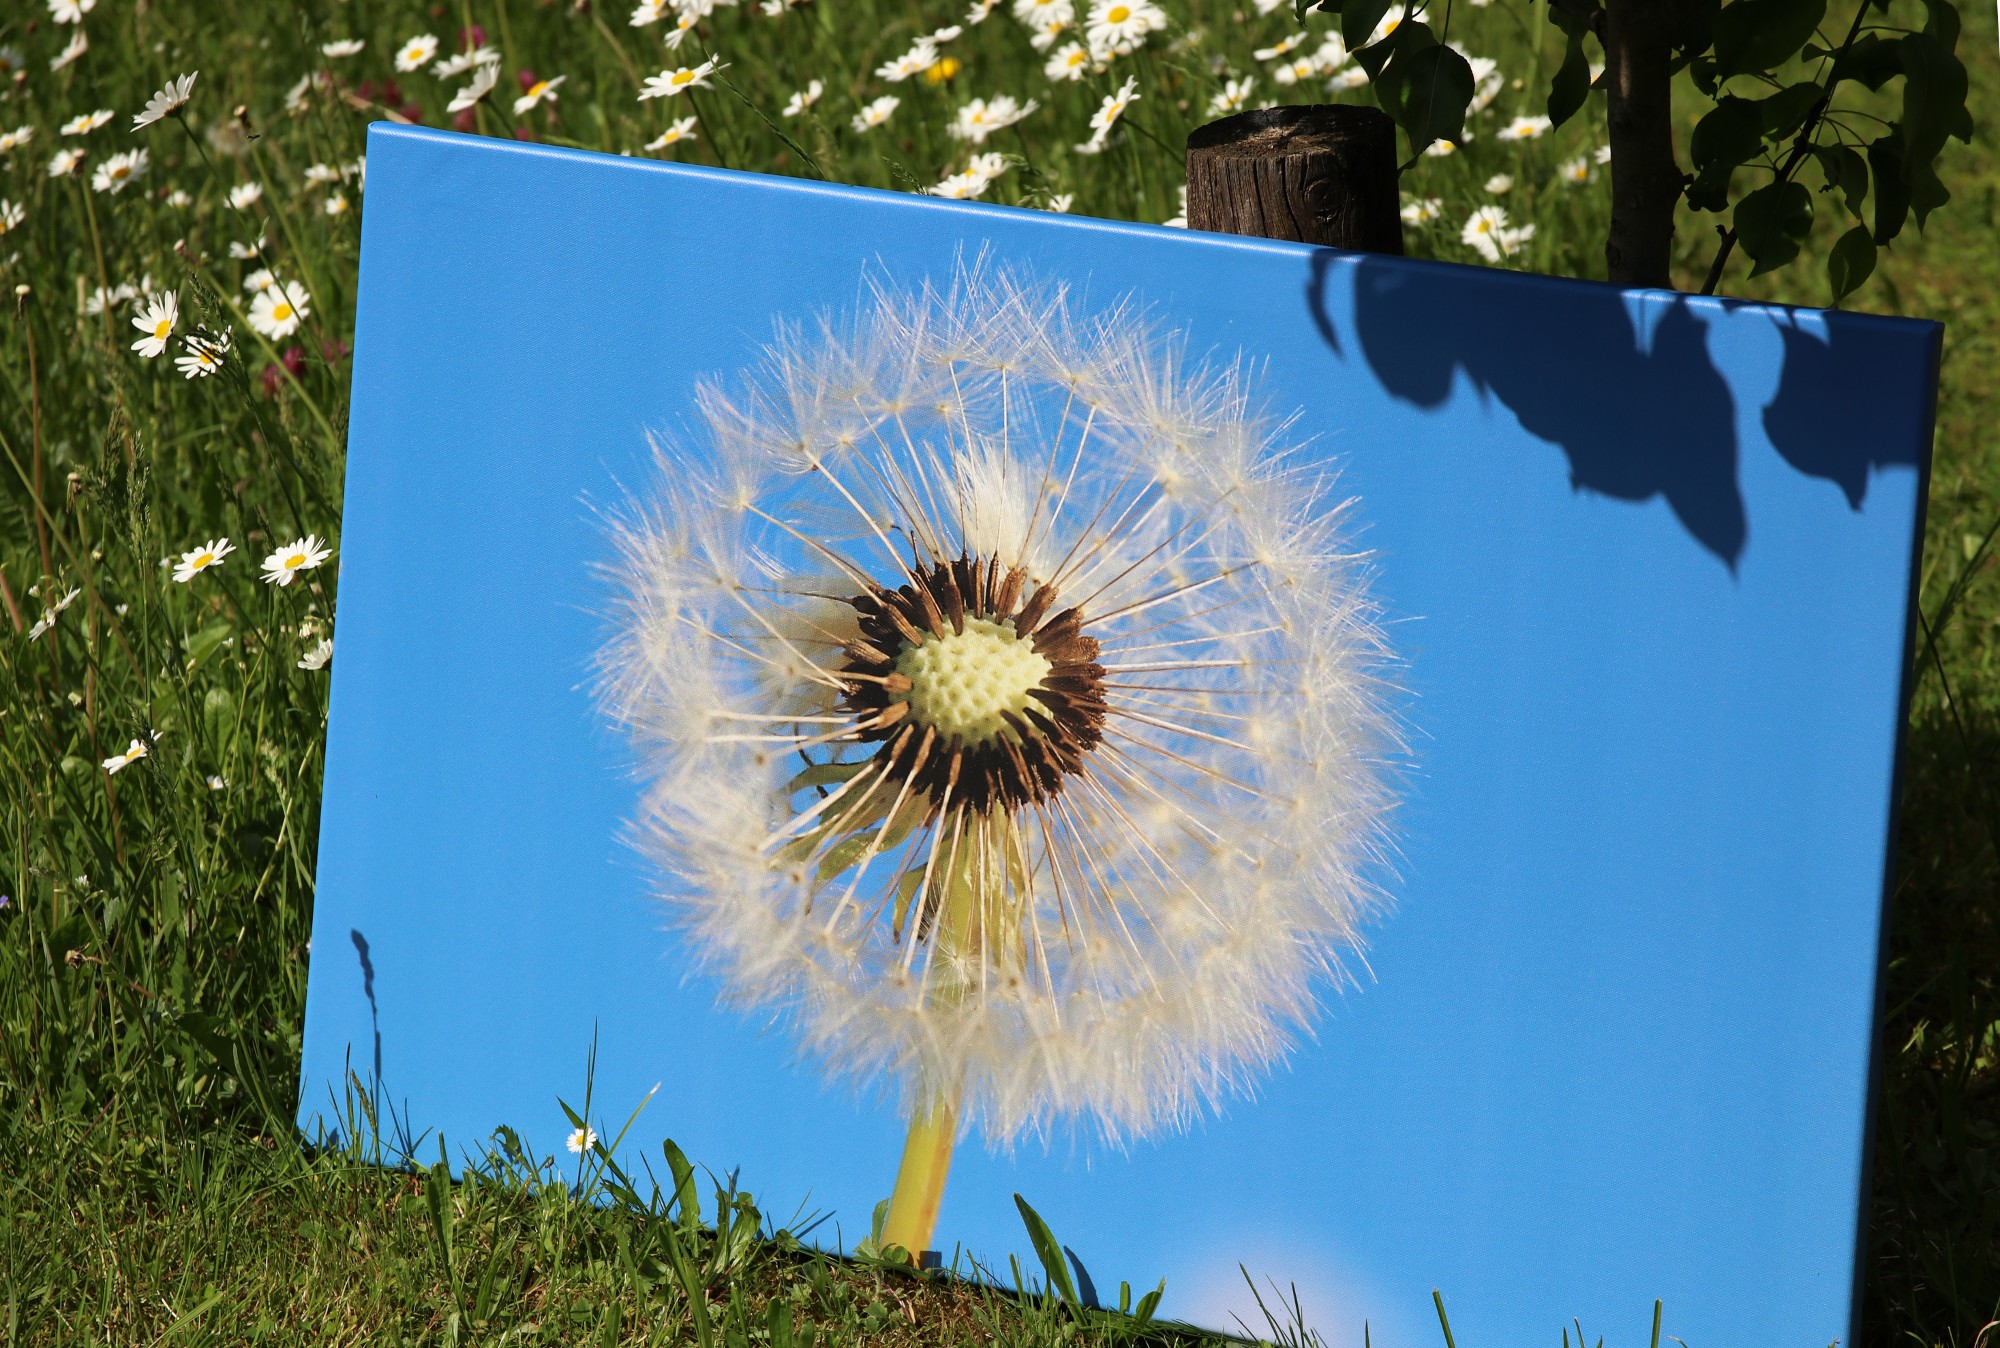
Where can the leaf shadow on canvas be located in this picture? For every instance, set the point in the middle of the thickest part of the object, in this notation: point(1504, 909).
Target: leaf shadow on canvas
point(1639, 413)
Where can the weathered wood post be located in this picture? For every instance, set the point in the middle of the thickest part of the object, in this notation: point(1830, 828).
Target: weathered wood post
point(1324, 174)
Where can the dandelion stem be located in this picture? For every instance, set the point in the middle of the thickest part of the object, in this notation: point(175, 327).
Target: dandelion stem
point(913, 1206)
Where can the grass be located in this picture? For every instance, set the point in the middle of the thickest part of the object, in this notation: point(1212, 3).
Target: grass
point(152, 940)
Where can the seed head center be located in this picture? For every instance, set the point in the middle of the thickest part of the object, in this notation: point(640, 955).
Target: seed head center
point(963, 682)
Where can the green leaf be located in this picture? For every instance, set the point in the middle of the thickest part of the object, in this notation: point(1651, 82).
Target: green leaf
point(1845, 169)
point(1436, 92)
point(1850, 263)
point(1049, 1251)
point(1785, 111)
point(1872, 61)
point(1357, 22)
point(1927, 193)
point(1731, 133)
point(1934, 88)
point(1753, 36)
point(687, 1197)
point(205, 643)
point(1892, 189)
point(1771, 224)
point(1571, 83)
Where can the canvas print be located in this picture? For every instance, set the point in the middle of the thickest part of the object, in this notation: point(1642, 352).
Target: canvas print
point(1329, 773)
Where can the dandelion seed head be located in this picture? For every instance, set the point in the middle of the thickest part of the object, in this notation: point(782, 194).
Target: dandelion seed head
point(1008, 703)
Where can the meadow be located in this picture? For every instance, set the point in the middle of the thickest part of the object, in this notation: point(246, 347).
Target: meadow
point(173, 399)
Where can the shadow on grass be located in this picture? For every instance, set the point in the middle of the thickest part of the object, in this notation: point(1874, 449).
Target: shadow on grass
point(1933, 1271)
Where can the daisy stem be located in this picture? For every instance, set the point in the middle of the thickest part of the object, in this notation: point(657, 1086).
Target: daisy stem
point(913, 1204)
point(714, 144)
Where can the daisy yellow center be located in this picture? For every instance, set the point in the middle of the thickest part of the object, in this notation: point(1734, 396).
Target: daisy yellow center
point(1117, 14)
point(119, 171)
point(541, 87)
point(295, 561)
point(683, 76)
point(281, 311)
point(162, 328)
point(963, 682)
point(943, 70)
point(203, 560)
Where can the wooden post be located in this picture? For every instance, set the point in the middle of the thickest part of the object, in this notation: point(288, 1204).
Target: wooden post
point(1324, 174)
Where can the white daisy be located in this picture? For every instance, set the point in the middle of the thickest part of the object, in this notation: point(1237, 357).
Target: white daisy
point(261, 279)
point(1048, 32)
point(1602, 154)
point(1283, 47)
point(1575, 172)
point(66, 162)
point(874, 114)
point(317, 657)
point(178, 199)
point(200, 559)
point(51, 613)
point(1353, 77)
point(417, 53)
point(1234, 94)
point(242, 251)
point(168, 101)
point(675, 133)
point(1061, 202)
point(683, 25)
point(11, 141)
point(70, 11)
point(114, 173)
point(318, 175)
point(1500, 184)
point(245, 195)
point(483, 80)
point(1523, 128)
point(982, 117)
point(1071, 62)
point(134, 752)
point(343, 48)
point(469, 59)
point(650, 12)
point(337, 204)
point(581, 1141)
point(299, 555)
point(1119, 27)
point(157, 323)
point(11, 216)
point(86, 122)
point(919, 58)
point(78, 45)
point(538, 92)
point(1294, 71)
point(803, 99)
point(278, 310)
point(1107, 115)
point(217, 783)
point(981, 10)
point(1488, 234)
point(1036, 13)
point(673, 83)
point(1422, 211)
point(204, 354)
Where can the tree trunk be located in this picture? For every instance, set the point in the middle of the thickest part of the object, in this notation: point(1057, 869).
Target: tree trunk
point(1646, 180)
point(1323, 174)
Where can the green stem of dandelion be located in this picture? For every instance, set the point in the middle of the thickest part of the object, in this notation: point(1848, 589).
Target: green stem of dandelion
point(968, 908)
